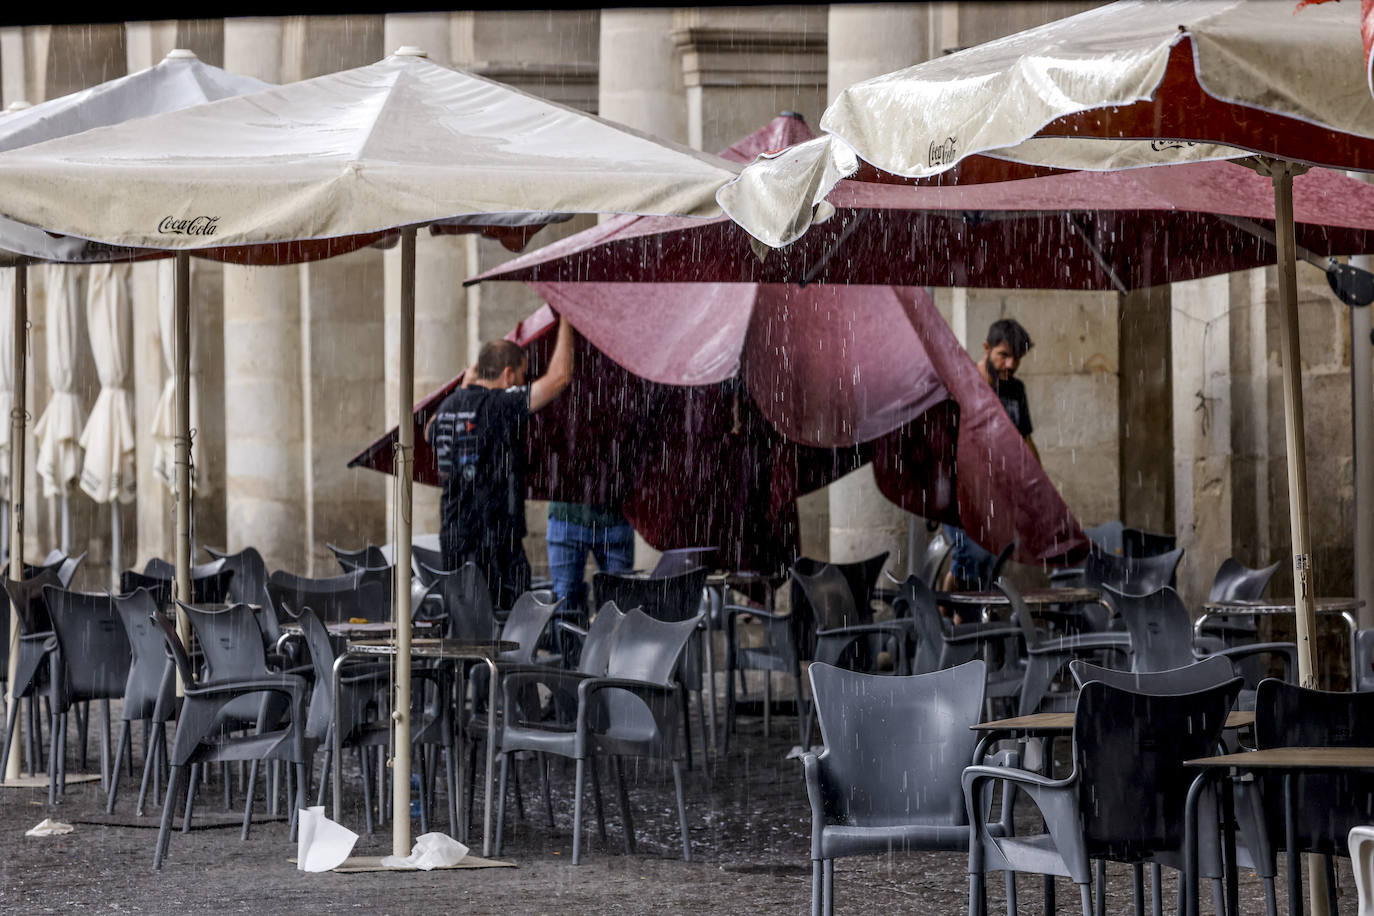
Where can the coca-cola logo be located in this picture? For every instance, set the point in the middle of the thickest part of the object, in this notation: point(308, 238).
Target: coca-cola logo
point(191, 225)
point(943, 152)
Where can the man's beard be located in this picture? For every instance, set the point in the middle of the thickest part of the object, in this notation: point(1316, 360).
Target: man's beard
point(994, 374)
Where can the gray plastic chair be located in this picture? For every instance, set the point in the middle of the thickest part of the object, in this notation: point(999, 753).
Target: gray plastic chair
point(35, 642)
point(1162, 636)
point(200, 737)
point(149, 694)
point(1047, 656)
point(933, 560)
point(210, 582)
point(363, 593)
point(1124, 800)
point(633, 710)
point(368, 557)
point(888, 778)
point(466, 602)
point(1132, 574)
point(1236, 582)
point(249, 586)
point(91, 662)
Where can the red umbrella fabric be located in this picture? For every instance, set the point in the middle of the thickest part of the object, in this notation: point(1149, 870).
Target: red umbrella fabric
point(1073, 230)
point(707, 409)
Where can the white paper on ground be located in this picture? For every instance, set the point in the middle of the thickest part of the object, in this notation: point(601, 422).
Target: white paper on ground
point(431, 850)
point(49, 827)
point(321, 844)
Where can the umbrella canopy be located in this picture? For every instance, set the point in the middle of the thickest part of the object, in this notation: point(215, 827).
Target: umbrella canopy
point(401, 142)
point(180, 80)
point(1073, 230)
point(108, 472)
point(804, 383)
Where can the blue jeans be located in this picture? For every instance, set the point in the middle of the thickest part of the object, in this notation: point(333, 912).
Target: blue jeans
point(970, 563)
point(569, 544)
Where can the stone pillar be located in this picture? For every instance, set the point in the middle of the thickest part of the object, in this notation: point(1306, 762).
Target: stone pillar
point(866, 40)
point(744, 65)
point(1145, 410)
point(552, 54)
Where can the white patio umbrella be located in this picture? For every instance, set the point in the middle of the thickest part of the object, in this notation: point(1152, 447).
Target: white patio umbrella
point(107, 476)
point(164, 416)
point(58, 430)
point(1123, 85)
point(178, 81)
point(321, 166)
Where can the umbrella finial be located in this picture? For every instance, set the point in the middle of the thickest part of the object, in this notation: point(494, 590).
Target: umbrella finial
point(411, 51)
point(181, 54)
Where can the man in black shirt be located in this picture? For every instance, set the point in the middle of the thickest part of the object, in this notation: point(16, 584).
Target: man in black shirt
point(1006, 344)
point(480, 435)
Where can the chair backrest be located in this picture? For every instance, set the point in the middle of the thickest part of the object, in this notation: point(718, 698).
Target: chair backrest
point(1107, 537)
point(1020, 612)
point(367, 557)
point(93, 647)
point(363, 593)
point(645, 648)
point(1329, 805)
point(678, 560)
point(1213, 670)
point(1237, 582)
point(249, 586)
point(210, 582)
point(424, 561)
point(916, 600)
point(321, 648)
point(1161, 631)
point(175, 650)
point(26, 597)
point(896, 746)
point(938, 550)
point(529, 618)
point(1138, 543)
point(467, 602)
point(829, 598)
point(596, 649)
point(149, 691)
point(671, 598)
point(1139, 575)
point(1129, 751)
point(231, 640)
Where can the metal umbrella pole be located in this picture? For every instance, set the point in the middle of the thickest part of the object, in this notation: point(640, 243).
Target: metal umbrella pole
point(181, 349)
point(18, 418)
point(405, 458)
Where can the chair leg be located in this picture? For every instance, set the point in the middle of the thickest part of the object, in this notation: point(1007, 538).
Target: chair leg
point(577, 812)
point(228, 785)
point(1011, 892)
point(423, 782)
point(1085, 899)
point(367, 789)
point(626, 817)
point(1156, 889)
point(52, 764)
point(681, 812)
point(828, 887)
point(168, 801)
point(248, 799)
point(83, 718)
point(324, 771)
point(977, 894)
point(1138, 888)
point(302, 793)
point(120, 748)
point(816, 869)
point(1101, 908)
point(192, 784)
point(729, 724)
point(500, 804)
point(803, 715)
point(767, 704)
point(686, 724)
point(451, 779)
point(109, 766)
point(544, 787)
point(701, 721)
point(12, 722)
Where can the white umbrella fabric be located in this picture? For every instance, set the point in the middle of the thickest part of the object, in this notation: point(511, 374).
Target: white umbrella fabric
point(108, 476)
point(58, 430)
point(1109, 89)
point(164, 416)
point(310, 169)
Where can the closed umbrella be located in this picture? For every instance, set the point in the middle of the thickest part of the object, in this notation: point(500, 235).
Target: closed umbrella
point(107, 476)
point(58, 430)
point(323, 165)
point(1117, 87)
point(164, 416)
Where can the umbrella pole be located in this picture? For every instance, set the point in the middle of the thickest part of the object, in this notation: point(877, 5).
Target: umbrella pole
point(405, 456)
point(16, 526)
point(1282, 176)
point(65, 538)
point(181, 442)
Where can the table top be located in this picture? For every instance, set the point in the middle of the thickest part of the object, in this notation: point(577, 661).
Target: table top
point(372, 627)
point(435, 648)
point(1294, 758)
point(1032, 597)
point(1270, 606)
point(1062, 722)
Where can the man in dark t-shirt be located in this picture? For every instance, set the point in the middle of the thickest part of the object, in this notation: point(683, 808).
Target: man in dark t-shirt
point(1006, 344)
point(480, 435)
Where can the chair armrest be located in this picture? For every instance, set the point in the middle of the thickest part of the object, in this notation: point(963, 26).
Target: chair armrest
point(886, 627)
point(812, 772)
point(291, 685)
point(514, 678)
point(737, 610)
point(1084, 642)
point(976, 632)
point(1057, 800)
point(1287, 651)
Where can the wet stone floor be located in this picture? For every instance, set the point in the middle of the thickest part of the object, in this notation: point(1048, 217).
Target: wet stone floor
point(749, 823)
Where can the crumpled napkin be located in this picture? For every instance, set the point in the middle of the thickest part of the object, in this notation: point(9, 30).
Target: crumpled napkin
point(49, 827)
point(321, 844)
point(431, 850)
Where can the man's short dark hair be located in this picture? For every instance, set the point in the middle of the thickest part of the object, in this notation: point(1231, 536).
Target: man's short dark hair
point(1010, 332)
point(496, 356)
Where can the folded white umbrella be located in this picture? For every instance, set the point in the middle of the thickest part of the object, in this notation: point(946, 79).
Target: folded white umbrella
point(108, 472)
point(58, 430)
point(164, 415)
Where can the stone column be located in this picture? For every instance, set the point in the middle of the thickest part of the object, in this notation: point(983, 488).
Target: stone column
point(866, 40)
point(1145, 410)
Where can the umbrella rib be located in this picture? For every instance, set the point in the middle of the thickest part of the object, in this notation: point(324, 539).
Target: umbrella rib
point(1098, 256)
point(834, 247)
point(1259, 232)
